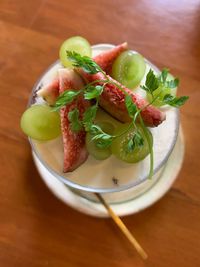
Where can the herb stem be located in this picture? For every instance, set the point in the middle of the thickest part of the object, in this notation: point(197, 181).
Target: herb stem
point(150, 147)
point(149, 104)
point(96, 81)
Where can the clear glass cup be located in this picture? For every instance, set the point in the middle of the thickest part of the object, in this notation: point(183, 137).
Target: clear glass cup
point(118, 181)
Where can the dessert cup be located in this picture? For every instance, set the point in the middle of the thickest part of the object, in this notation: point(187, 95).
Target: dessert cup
point(117, 181)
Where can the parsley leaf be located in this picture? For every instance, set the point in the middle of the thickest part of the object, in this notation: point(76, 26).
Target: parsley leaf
point(65, 98)
point(175, 101)
point(138, 139)
point(84, 62)
point(151, 83)
point(163, 83)
point(89, 116)
point(163, 75)
point(136, 142)
point(103, 140)
point(95, 129)
point(93, 92)
point(130, 146)
point(131, 107)
point(172, 84)
point(75, 123)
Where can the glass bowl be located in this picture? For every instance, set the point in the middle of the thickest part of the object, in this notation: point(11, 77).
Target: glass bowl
point(118, 181)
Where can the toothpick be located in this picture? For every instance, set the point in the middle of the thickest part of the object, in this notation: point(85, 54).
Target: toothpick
point(123, 228)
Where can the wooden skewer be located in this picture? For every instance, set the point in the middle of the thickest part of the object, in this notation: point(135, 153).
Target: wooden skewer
point(123, 227)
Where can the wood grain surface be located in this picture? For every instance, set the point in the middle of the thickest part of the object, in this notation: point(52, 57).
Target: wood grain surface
point(36, 229)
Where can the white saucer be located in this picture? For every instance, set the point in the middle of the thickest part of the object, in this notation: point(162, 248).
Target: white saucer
point(143, 201)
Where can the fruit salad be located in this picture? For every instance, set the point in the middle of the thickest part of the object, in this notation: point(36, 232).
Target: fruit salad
point(85, 87)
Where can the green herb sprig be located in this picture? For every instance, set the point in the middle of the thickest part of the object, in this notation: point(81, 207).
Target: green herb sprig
point(175, 101)
point(75, 123)
point(65, 98)
point(103, 139)
point(154, 82)
point(84, 62)
point(136, 141)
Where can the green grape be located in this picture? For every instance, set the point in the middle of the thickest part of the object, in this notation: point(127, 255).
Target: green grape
point(120, 144)
point(91, 145)
point(129, 69)
point(160, 93)
point(41, 123)
point(77, 44)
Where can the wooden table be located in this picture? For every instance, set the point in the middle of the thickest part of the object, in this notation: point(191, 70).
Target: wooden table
point(36, 229)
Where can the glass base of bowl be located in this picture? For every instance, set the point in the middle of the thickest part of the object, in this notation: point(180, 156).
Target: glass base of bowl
point(125, 202)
